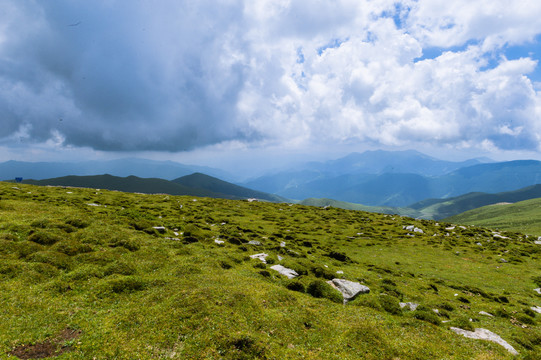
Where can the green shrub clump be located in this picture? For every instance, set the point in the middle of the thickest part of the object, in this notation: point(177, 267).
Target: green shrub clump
point(390, 304)
point(320, 289)
point(296, 285)
point(44, 238)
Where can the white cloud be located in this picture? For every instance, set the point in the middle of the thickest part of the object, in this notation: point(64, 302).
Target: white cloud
point(180, 75)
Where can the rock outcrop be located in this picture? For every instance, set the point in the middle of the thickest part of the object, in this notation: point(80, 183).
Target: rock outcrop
point(349, 289)
point(484, 334)
point(289, 273)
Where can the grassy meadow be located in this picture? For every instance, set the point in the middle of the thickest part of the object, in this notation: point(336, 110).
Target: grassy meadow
point(523, 216)
point(95, 274)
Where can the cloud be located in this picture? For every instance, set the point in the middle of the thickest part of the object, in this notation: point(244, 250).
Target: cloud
point(181, 75)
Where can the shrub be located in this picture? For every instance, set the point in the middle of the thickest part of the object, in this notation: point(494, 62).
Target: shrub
point(429, 316)
point(44, 238)
point(296, 285)
point(525, 319)
point(129, 244)
point(85, 272)
point(77, 223)
point(463, 323)
point(537, 280)
point(390, 304)
point(320, 289)
point(56, 259)
point(25, 248)
point(120, 267)
point(338, 256)
point(71, 247)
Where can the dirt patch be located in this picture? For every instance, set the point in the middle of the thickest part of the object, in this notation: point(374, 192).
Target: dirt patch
point(48, 348)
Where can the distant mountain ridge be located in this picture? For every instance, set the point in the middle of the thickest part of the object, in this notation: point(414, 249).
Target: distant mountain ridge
point(194, 185)
point(121, 167)
point(397, 189)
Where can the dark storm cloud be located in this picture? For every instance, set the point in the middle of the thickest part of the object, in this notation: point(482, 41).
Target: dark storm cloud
point(122, 76)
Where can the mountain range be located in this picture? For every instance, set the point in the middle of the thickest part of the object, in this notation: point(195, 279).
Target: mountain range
point(195, 185)
point(404, 182)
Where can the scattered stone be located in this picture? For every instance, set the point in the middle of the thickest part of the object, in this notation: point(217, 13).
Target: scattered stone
point(280, 258)
point(282, 244)
point(409, 305)
point(478, 244)
point(538, 290)
point(218, 241)
point(537, 309)
point(537, 242)
point(496, 235)
point(349, 289)
point(450, 228)
point(418, 230)
point(289, 273)
point(261, 257)
point(339, 272)
point(93, 204)
point(176, 233)
point(462, 227)
point(503, 261)
point(69, 192)
point(254, 242)
point(485, 313)
point(170, 238)
point(436, 311)
point(484, 334)
point(160, 229)
point(409, 227)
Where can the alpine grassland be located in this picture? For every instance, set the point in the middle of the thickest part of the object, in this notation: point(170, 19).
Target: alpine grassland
point(95, 274)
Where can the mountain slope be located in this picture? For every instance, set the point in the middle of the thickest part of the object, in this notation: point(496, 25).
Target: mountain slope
point(214, 185)
point(522, 216)
point(443, 208)
point(141, 278)
point(196, 185)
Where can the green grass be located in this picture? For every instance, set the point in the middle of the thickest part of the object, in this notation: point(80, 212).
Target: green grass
point(522, 217)
point(133, 291)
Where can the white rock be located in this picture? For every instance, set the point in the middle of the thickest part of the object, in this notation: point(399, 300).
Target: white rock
point(254, 242)
point(485, 313)
point(537, 309)
point(462, 227)
point(92, 204)
point(159, 228)
point(280, 258)
point(418, 230)
point(282, 244)
point(339, 272)
point(484, 334)
point(218, 241)
point(289, 273)
point(538, 290)
point(450, 228)
point(409, 305)
point(537, 242)
point(409, 227)
point(261, 256)
point(349, 289)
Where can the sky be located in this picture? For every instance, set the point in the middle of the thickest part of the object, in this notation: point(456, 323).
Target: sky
point(263, 82)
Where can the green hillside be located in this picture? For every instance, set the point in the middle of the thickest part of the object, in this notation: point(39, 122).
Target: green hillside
point(360, 207)
point(208, 183)
point(193, 185)
point(88, 273)
point(523, 216)
point(444, 208)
